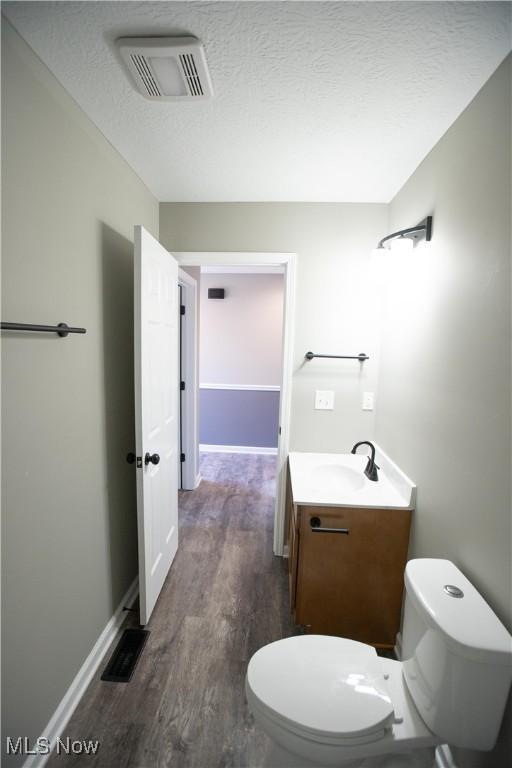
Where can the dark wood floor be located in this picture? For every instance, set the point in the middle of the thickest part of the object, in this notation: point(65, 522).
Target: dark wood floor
point(225, 596)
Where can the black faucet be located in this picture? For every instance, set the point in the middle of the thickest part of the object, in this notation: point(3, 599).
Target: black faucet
point(371, 467)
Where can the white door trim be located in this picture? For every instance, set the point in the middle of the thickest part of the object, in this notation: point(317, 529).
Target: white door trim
point(257, 259)
point(189, 372)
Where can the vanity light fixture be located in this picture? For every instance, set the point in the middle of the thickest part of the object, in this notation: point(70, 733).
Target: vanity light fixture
point(406, 239)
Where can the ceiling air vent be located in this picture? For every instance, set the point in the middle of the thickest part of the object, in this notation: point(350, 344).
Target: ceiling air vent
point(167, 68)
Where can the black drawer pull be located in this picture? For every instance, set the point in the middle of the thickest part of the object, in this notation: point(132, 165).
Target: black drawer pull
point(316, 527)
point(331, 530)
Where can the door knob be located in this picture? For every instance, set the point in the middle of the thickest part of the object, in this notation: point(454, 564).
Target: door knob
point(151, 458)
point(130, 458)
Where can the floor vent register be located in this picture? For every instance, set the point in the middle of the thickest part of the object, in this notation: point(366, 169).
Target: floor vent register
point(127, 653)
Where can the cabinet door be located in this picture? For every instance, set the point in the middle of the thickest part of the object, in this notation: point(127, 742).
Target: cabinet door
point(351, 583)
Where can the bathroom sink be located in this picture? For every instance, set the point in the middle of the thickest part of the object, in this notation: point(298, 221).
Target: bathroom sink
point(338, 479)
point(334, 476)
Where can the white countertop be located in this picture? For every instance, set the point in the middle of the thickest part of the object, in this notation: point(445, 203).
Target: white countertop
point(338, 480)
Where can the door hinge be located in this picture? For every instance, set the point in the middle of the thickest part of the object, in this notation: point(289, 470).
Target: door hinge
point(182, 309)
point(182, 457)
point(182, 385)
point(279, 430)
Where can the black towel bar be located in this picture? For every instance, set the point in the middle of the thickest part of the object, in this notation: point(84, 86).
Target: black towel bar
point(361, 356)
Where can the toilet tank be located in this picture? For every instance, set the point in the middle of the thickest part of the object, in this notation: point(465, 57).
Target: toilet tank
point(457, 655)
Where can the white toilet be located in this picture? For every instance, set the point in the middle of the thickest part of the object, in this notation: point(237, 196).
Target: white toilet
point(329, 701)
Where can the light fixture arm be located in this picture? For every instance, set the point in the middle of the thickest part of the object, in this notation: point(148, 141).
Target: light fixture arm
point(421, 231)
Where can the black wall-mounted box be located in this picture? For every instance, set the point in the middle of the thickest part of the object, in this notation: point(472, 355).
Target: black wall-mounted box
point(215, 293)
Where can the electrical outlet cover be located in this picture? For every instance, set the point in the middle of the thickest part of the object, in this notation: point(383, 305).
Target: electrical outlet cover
point(324, 400)
point(368, 398)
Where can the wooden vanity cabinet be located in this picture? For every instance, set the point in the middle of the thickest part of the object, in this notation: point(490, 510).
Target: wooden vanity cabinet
point(348, 583)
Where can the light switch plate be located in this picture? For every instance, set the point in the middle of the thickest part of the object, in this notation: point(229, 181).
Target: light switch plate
point(368, 401)
point(324, 399)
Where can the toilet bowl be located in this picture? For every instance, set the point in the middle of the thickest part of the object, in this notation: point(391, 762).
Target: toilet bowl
point(331, 701)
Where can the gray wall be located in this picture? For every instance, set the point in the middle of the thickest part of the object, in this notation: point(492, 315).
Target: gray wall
point(336, 311)
point(444, 390)
point(68, 497)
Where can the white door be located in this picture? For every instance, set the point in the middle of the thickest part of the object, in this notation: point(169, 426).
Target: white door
point(156, 328)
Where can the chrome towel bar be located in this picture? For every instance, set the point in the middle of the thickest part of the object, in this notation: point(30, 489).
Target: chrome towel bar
point(62, 329)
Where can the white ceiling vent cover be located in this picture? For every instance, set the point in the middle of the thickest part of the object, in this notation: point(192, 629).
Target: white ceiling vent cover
point(167, 68)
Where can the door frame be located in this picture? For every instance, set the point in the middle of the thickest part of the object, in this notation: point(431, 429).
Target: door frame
point(288, 262)
point(190, 477)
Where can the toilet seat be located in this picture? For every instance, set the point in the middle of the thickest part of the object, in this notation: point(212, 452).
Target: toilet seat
point(326, 689)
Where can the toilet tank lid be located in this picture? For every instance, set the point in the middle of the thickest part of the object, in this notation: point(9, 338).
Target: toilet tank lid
point(467, 622)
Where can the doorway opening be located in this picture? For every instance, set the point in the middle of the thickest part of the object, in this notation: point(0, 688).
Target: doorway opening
point(243, 389)
point(240, 359)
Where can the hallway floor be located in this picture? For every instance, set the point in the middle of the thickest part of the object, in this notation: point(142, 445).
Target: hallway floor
point(226, 595)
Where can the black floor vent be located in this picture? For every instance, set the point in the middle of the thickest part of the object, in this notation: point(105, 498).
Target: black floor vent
point(123, 661)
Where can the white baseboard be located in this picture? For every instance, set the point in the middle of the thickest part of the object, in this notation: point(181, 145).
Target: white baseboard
point(198, 480)
point(241, 387)
point(76, 690)
point(236, 449)
point(444, 757)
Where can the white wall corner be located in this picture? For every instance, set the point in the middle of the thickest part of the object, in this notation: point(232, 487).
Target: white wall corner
point(76, 690)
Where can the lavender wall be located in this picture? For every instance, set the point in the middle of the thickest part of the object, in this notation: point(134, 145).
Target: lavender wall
point(239, 417)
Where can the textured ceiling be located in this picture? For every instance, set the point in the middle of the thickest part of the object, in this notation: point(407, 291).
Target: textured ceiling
point(314, 101)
